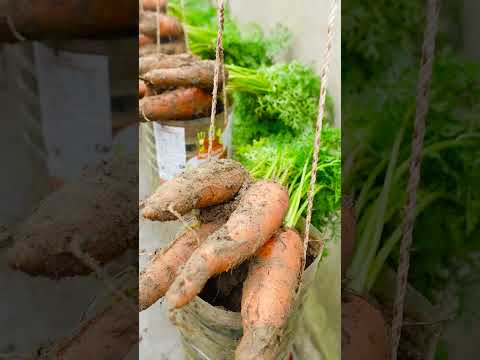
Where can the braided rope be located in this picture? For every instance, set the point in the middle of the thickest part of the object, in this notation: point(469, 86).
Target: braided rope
point(218, 65)
point(318, 131)
point(425, 75)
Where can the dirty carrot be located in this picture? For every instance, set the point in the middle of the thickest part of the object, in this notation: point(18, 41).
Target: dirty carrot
point(164, 61)
point(169, 26)
point(258, 216)
point(144, 40)
point(268, 295)
point(179, 104)
point(109, 335)
point(211, 183)
point(151, 5)
point(159, 274)
point(142, 88)
point(199, 74)
point(104, 217)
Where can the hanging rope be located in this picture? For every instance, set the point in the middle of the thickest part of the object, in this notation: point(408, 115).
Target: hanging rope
point(425, 75)
point(321, 111)
point(218, 65)
point(158, 27)
point(184, 22)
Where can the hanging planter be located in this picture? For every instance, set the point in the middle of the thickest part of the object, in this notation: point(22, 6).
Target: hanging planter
point(213, 332)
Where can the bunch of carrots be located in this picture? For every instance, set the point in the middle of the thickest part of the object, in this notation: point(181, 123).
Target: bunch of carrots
point(239, 221)
point(173, 84)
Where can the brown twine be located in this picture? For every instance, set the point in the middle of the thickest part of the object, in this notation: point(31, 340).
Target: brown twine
point(158, 27)
point(218, 64)
point(13, 29)
point(142, 7)
point(423, 90)
point(318, 131)
point(185, 32)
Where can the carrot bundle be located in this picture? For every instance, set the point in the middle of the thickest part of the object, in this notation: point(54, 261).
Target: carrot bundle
point(199, 74)
point(105, 217)
point(259, 215)
point(159, 274)
point(268, 294)
point(212, 183)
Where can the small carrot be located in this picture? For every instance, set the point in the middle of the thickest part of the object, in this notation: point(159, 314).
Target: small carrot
point(200, 74)
point(258, 216)
point(144, 40)
point(151, 5)
point(159, 274)
point(109, 335)
point(176, 47)
point(179, 104)
point(169, 26)
point(212, 183)
point(268, 294)
point(142, 88)
point(164, 61)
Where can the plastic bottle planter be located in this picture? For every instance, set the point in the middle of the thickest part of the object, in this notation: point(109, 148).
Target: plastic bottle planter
point(182, 144)
point(210, 332)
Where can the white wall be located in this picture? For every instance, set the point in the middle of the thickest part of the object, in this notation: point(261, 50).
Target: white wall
point(307, 20)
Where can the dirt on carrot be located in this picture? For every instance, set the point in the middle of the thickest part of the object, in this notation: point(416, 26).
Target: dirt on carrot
point(199, 74)
point(163, 61)
point(212, 183)
point(269, 294)
point(258, 216)
point(103, 224)
point(162, 269)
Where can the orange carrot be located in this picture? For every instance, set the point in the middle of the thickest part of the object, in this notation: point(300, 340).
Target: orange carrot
point(43, 19)
point(211, 183)
point(142, 88)
point(268, 294)
point(199, 74)
point(109, 335)
point(169, 26)
point(144, 40)
point(163, 61)
point(151, 5)
point(179, 104)
point(258, 216)
point(159, 274)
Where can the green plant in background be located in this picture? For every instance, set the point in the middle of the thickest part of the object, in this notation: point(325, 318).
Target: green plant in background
point(247, 46)
point(275, 99)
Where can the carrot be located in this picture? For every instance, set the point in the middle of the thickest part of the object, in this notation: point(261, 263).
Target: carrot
point(44, 19)
point(142, 88)
point(144, 40)
point(159, 274)
point(199, 74)
point(268, 294)
point(179, 104)
point(211, 183)
point(170, 28)
point(258, 216)
point(104, 223)
point(163, 61)
point(151, 5)
point(109, 335)
point(170, 48)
